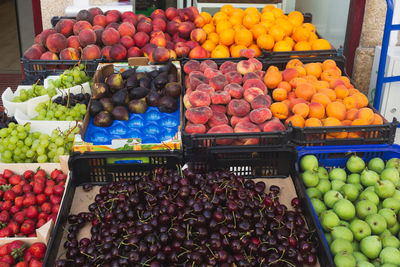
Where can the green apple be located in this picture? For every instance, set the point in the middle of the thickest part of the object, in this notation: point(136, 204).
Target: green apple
point(313, 192)
point(328, 238)
point(388, 265)
point(370, 188)
point(337, 185)
point(391, 174)
point(384, 234)
point(376, 164)
point(376, 263)
point(309, 163)
point(395, 228)
point(345, 209)
point(360, 229)
point(365, 208)
point(345, 259)
point(342, 232)
point(338, 174)
point(310, 178)
point(359, 256)
point(393, 163)
point(377, 223)
point(390, 255)
point(354, 178)
point(392, 204)
point(344, 223)
point(322, 173)
point(369, 177)
point(370, 195)
point(364, 263)
point(355, 164)
point(324, 185)
point(350, 192)
point(339, 245)
point(318, 206)
point(371, 246)
point(359, 187)
point(329, 220)
point(389, 216)
point(390, 241)
point(396, 195)
point(331, 197)
point(384, 188)
point(355, 245)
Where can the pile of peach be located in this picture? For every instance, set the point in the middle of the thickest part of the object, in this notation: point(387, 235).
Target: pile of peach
point(316, 94)
point(230, 99)
point(117, 36)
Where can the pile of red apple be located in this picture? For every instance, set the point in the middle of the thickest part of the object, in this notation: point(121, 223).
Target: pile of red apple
point(230, 99)
point(116, 36)
point(28, 201)
point(19, 254)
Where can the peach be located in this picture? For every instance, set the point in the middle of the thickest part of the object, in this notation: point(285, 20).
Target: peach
point(113, 25)
point(317, 110)
point(95, 11)
point(208, 89)
point(127, 41)
point(208, 64)
point(185, 28)
point(65, 27)
point(91, 52)
point(80, 25)
point(198, 52)
point(157, 33)
point(289, 74)
point(260, 73)
point(98, 33)
point(44, 35)
point(247, 127)
point(105, 52)
point(159, 24)
point(261, 101)
point(160, 54)
point(245, 66)
point(251, 93)
point(223, 128)
point(39, 47)
point(73, 42)
point(199, 21)
point(172, 28)
point(49, 56)
point(255, 83)
point(144, 26)
point(260, 115)
point(199, 99)
point(256, 63)
point(251, 75)
point(238, 107)
point(171, 13)
point(235, 119)
point(159, 41)
point(234, 77)
point(87, 37)
point(249, 53)
point(170, 46)
point(69, 54)
point(113, 16)
point(218, 82)
point(218, 118)
point(157, 13)
point(129, 15)
point(198, 35)
point(273, 125)
point(100, 20)
point(84, 15)
point(132, 21)
point(181, 49)
point(209, 73)
point(228, 66)
point(134, 52)
point(192, 44)
point(148, 49)
point(220, 97)
point(199, 115)
point(110, 36)
point(56, 42)
point(118, 52)
point(218, 108)
point(141, 39)
point(126, 29)
point(234, 90)
point(32, 53)
point(186, 101)
point(196, 79)
point(191, 65)
point(37, 39)
point(140, 17)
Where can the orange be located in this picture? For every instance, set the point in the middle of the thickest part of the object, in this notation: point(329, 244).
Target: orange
point(336, 110)
point(265, 41)
point(329, 92)
point(235, 51)
point(289, 41)
point(208, 45)
point(277, 33)
point(279, 94)
point(236, 20)
point(239, 27)
point(267, 24)
point(312, 122)
point(350, 102)
point(296, 120)
point(301, 34)
point(251, 10)
point(309, 26)
point(282, 46)
point(257, 30)
point(305, 91)
point(321, 98)
point(278, 12)
point(328, 64)
point(312, 37)
point(296, 18)
point(256, 49)
point(237, 12)
point(286, 25)
point(279, 110)
point(213, 37)
point(220, 16)
point(294, 62)
point(227, 37)
point(268, 8)
point(361, 99)
point(250, 20)
point(220, 51)
point(206, 16)
point(301, 109)
point(302, 46)
point(341, 91)
point(222, 26)
point(243, 37)
point(209, 28)
point(267, 16)
point(321, 44)
point(227, 9)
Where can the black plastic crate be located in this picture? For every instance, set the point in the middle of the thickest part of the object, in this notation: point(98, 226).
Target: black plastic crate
point(35, 70)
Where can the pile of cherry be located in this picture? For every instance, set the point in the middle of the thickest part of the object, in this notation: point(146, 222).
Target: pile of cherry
point(28, 201)
point(173, 218)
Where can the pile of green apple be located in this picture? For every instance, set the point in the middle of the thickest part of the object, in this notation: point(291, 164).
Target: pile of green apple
point(358, 208)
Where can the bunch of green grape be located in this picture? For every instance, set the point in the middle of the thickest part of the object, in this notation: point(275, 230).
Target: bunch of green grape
point(50, 111)
point(19, 145)
point(35, 91)
point(70, 78)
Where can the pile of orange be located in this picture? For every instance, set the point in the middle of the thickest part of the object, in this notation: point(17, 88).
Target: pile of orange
point(316, 94)
point(232, 29)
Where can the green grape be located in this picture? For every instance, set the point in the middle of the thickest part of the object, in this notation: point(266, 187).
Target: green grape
point(20, 128)
point(22, 135)
point(43, 136)
point(2, 148)
point(40, 150)
point(17, 151)
point(60, 151)
point(56, 159)
point(3, 133)
point(14, 133)
point(51, 154)
point(28, 160)
point(20, 143)
point(24, 149)
point(59, 141)
point(42, 158)
point(13, 139)
point(11, 146)
point(28, 141)
point(44, 142)
point(52, 146)
point(36, 134)
point(29, 153)
point(12, 125)
point(6, 154)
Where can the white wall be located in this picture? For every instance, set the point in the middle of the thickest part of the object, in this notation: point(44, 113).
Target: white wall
point(329, 18)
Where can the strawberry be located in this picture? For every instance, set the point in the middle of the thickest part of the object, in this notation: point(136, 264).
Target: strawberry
point(4, 250)
point(6, 205)
point(3, 181)
point(38, 188)
point(52, 217)
point(5, 232)
point(30, 194)
point(28, 227)
point(50, 183)
point(35, 263)
point(7, 259)
point(28, 175)
point(55, 208)
point(48, 191)
point(22, 264)
point(19, 217)
point(40, 223)
point(17, 248)
point(4, 264)
point(58, 190)
point(14, 209)
point(32, 235)
point(9, 195)
point(55, 173)
point(22, 183)
point(62, 183)
point(55, 199)
point(29, 201)
point(27, 255)
point(39, 173)
point(31, 212)
point(40, 199)
point(7, 174)
point(17, 189)
point(42, 215)
point(27, 188)
point(61, 177)
point(19, 201)
point(4, 216)
point(14, 227)
point(46, 207)
point(15, 179)
point(38, 250)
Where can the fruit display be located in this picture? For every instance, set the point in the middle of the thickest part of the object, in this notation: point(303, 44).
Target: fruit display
point(69, 78)
point(35, 91)
point(5, 120)
point(52, 111)
point(20, 254)
point(230, 98)
point(182, 218)
point(19, 145)
point(29, 201)
point(233, 29)
point(70, 99)
point(358, 208)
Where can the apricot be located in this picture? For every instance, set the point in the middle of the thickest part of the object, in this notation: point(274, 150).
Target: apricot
point(317, 110)
point(312, 122)
point(350, 102)
point(289, 74)
point(366, 114)
point(199, 115)
point(329, 92)
point(294, 63)
point(272, 77)
point(295, 101)
point(238, 107)
point(218, 118)
point(65, 27)
point(328, 64)
point(336, 82)
point(195, 128)
point(279, 94)
point(305, 91)
point(336, 110)
point(91, 52)
point(279, 110)
point(361, 99)
point(301, 109)
point(69, 54)
point(377, 119)
point(341, 91)
point(296, 121)
point(296, 81)
point(313, 69)
point(331, 122)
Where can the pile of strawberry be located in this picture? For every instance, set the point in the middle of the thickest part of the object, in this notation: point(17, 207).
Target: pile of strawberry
point(28, 201)
point(19, 254)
